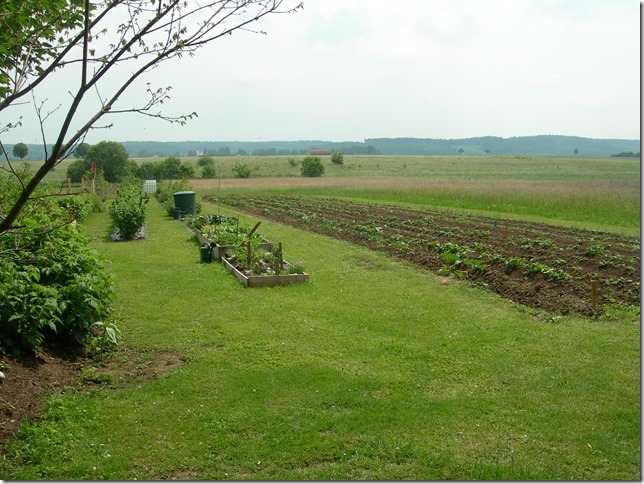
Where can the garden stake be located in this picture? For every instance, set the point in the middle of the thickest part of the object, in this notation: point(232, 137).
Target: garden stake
point(248, 254)
point(252, 231)
point(593, 291)
point(280, 258)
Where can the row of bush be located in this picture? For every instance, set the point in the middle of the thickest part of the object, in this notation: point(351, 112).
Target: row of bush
point(112, 160)
point(128, 209)
point(171, 168)
point(53, 287)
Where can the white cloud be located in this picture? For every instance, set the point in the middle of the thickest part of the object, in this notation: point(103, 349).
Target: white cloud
point(350, 69)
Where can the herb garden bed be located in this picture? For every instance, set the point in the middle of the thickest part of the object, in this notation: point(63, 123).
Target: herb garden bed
point(249, 279)
point(222, 234)
point(559, 269)
point(252, 259)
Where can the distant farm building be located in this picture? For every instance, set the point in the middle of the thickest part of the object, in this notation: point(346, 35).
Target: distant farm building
point(319, 152)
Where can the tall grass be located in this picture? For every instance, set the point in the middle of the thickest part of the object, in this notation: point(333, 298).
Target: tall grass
point(598, 205)
point(597, 193)
point(372, 370)
point(430, 167)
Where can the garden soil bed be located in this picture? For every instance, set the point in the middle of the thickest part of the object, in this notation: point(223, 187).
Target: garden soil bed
point(259, 280)
point(542, 266)
point(31, 379)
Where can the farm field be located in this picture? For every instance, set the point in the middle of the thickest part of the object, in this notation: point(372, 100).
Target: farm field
point(595, 193)
point(541, 266)
point(376, 369)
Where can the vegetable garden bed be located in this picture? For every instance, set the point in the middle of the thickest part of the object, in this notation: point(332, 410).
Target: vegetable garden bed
point(254, 261)
point(248, 279)
point(559, 269)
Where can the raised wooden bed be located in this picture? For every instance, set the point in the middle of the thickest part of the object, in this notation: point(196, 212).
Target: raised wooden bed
point(220, 251)
point(268, 280)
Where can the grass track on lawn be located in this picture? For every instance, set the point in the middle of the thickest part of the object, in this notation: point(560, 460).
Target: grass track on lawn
point(372, 370)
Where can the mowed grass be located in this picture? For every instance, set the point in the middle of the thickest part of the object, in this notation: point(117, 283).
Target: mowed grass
point(372, 370)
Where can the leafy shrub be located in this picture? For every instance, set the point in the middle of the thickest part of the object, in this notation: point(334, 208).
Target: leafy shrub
point(173, 169)
point(209, 171)
point(312, 166)
point(205, 160)
point(109, 156)
point(77, 169)
point(103, 340)
point(242, 170)
point(148, 170)
point(128, 209)
point(52, 286)
point(337, 158)
point(79, 207)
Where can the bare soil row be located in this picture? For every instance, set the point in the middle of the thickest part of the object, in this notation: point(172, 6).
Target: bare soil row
point(559, 269)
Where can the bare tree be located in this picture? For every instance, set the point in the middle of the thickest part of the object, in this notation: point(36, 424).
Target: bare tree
point(107, 45)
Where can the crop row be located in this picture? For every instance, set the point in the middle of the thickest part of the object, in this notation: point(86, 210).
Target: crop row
point(539, 265)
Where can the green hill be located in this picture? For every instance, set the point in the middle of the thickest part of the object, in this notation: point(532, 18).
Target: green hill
point(542, 145)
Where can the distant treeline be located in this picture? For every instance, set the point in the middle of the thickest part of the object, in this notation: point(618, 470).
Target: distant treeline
point(626, 154)
point(543, 145)
point(145, 149)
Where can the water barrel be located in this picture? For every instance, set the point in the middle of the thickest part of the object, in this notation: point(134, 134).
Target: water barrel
point(186, 201)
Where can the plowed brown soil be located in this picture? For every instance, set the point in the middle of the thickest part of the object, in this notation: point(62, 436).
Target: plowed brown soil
point(559, 269)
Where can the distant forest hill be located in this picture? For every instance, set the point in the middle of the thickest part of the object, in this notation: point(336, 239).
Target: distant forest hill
point(542, 145)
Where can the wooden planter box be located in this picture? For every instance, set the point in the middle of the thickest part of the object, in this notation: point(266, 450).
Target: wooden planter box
point(266, 281)
point(219, 251)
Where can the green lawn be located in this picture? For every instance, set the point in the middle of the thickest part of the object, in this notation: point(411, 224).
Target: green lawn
point(372, 370)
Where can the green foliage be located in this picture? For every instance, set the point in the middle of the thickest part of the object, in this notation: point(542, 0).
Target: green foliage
point(128, 209)
point(81, 150)
point(103, 340)
point(337, 158)
point(148, 171)
point(312, 166)
point(79, 207)
point(76, 170)
point(29, 32)
point(241, 170)
point(110, 157)
point(208, 166)
point(173, 169)
point(209, 171)
point(20, 150)
point(166, 190)
point(336, 380)
point(205, 160)
point(224, 230)
point(52, 286)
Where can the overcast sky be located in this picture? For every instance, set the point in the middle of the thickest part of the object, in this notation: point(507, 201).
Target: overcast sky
point(355, 69)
